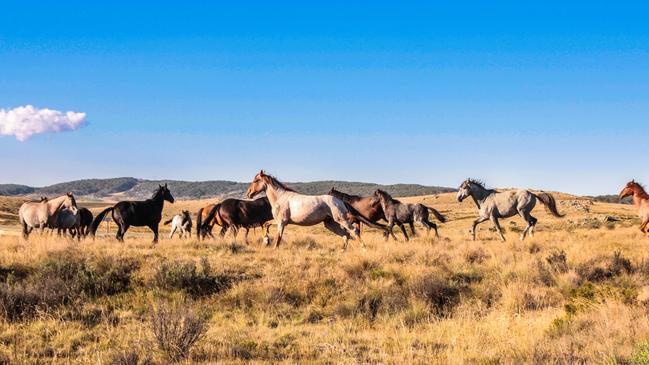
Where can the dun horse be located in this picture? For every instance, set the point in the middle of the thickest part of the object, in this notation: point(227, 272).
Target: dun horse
point(399, 213)
point(42, 214)
point(291, 207)
point(640, 200)
point(494, 205)
point(368, 206)
point(237, 213)
point(136, 213)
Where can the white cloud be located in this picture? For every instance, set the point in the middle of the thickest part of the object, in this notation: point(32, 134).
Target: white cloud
point(26, 121)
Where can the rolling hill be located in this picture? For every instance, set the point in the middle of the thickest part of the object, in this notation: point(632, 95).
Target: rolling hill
point(133, 188)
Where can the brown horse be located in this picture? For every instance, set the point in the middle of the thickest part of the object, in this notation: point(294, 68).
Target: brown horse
point(368, 206)
point(640, 200)
point(246, 214)
point(204, 226)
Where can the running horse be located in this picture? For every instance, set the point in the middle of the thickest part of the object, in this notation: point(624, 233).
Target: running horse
point(368, 206)
point(493, 205)
point(238, 213)
point(640, 200)
point(291, 207)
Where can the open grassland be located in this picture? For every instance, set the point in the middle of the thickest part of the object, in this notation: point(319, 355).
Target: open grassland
point(578, 292)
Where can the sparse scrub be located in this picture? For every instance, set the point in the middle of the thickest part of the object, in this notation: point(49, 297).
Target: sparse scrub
point(176, 329)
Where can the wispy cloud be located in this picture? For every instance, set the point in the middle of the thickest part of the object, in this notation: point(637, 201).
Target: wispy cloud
point(25, 121)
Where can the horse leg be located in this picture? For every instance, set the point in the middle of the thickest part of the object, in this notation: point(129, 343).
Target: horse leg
point(644, 225)
point(280, 232)
point(494, 219)
point(245, 236)
point(412, 229)
point(267, 234)
point(403, 229)
point(154, 228)
point(122, 231)
point(338, 230)
point(430, 225)
point(223, 231)
point(475, 224)
point(26, 230)
point(173, 230)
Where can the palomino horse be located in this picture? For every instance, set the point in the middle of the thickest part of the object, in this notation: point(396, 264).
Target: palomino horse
point(400, 213)
point(493, 205)
point(291, 207)
point(237, 213)
point(42, 214)
point(368, 206)
point(136, 213)
point(640, 200)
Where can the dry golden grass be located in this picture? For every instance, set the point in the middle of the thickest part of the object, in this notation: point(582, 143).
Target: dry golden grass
point(448, 300)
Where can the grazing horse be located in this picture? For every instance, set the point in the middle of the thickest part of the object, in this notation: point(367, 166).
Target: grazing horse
point(237, 213)
point(42, 214)
point(136, 213)
point(291, 207)
point(640, 200)
point(182, 223)
point(493, 205)
point(203, 226)
point(368, 206)
point(400, 213)
point(85, 216)
point(66, 220)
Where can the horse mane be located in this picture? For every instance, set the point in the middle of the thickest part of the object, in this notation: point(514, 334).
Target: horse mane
point(343, 196)
point(640, 190)
point(273, 181)
point(476, 182)
point(156, 193)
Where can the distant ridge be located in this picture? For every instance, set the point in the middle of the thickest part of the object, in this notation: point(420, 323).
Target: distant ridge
point(133, 188)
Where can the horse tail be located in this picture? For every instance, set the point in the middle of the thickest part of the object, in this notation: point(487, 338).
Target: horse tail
point(437, 214)
point(361, 218)
point(167, 222)
point(549, 202)
point(199, 219)
point(97, 221)
point(210, 216)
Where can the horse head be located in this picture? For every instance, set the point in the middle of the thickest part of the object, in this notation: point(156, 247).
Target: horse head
point(70, 203)
point(258, 184)
point(464, 191)
point(629, 189)
point(166, 194)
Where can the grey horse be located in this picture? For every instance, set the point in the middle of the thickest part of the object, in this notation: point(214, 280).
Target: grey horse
point(493, 205)
point(182, 223)
point(400, 213)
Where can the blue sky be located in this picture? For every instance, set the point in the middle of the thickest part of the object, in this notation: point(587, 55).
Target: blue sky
point(551, 95)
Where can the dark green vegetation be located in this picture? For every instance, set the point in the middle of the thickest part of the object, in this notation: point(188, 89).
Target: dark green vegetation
point(138, 188)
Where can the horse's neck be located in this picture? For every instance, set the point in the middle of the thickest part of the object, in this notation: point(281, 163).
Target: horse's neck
point(158, 201)
point(480, 194)
point(54, 205)
point(274, 193)
point(639, 197)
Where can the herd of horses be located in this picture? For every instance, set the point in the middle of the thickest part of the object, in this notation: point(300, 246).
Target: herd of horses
point(342, 214)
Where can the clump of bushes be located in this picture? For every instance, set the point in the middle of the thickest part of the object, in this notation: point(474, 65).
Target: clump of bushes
point(196, 281)
point(62, 278)
point(441, 294)
point(176, 330)
point(595, 271)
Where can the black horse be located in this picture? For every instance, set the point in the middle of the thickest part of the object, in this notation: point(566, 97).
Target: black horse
point(400, 213)
point(146, 213)
point(238, 213)
point(85, 216)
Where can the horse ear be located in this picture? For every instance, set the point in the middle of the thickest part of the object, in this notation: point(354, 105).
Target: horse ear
point(261, 172)
point(165, 185)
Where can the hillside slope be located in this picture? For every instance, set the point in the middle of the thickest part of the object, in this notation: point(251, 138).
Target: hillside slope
point(128, 187)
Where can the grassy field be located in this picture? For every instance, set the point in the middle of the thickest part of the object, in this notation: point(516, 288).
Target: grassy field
point(578, 292)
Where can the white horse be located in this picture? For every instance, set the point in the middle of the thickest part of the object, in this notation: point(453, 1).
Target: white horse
point(291, 207)
point(493, 205)
point(42, 214)
point(181, 222)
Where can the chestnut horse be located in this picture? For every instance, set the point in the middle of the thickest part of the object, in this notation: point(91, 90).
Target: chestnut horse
point(369, 206)
point(204, 227)
point(640, 200)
